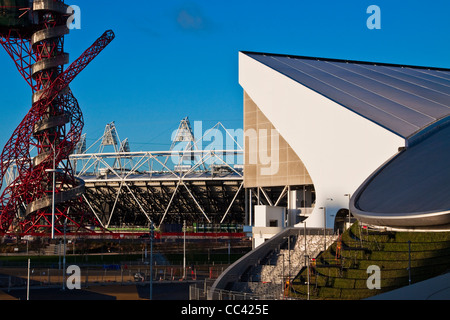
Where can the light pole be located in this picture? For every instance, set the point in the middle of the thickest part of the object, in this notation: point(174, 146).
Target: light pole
point(307, 271)
point(282, 276)
point(53, 196)
point(28, 281)
point(409, 262)
point(64, 259)
point(304, 234)
point(289, 259)
point(324, 227)
point(184, 249)
point(289, 256)
point(151, 259)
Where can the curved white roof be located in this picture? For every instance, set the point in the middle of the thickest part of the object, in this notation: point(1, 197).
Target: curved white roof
point(402, 99)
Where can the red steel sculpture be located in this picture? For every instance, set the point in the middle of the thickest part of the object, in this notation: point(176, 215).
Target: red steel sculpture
point(45, 196)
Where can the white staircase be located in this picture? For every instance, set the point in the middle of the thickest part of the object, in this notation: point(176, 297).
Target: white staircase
point(288, 263)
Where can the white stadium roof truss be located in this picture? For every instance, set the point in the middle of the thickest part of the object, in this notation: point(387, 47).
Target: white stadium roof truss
point(136, 175)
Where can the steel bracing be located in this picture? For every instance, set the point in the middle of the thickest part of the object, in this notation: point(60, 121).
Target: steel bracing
point(134, 188)
point(44, 194)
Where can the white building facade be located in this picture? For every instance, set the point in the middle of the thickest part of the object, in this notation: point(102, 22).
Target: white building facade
point(336, 118)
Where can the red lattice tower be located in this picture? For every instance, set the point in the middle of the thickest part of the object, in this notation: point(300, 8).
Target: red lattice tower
point(45, 192)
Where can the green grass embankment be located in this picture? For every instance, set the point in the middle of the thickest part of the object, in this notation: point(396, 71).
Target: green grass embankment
point(343, 273)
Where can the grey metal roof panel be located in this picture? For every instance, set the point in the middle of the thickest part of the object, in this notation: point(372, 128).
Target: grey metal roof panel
point(412, 186)
point(403, 99)
point(407, 94)
point(422, 88)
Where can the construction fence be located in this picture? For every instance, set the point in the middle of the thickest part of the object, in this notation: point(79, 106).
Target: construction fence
point(17, 277)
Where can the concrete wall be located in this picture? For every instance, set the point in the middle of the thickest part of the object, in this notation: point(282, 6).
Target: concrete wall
point(268, 222)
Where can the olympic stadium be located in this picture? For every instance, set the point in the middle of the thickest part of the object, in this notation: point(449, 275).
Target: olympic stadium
point(126, 188)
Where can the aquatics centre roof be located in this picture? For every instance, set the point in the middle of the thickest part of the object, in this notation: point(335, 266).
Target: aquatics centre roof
point(402, 99)
point(412, 189)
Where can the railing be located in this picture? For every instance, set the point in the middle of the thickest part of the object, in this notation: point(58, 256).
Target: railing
point(235, 272)
point(204, 292)
point(16, 278)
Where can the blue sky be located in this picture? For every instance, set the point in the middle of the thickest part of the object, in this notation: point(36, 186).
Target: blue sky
point(176, 58)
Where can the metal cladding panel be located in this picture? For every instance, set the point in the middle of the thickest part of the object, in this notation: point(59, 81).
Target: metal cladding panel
point(416, 181)
point(398, 95)
point(432, 77)
point(412, 189)
point(423, 85)
point(401, 99)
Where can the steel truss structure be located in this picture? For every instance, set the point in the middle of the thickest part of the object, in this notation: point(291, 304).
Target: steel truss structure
point(44, 196)
point(125, 188)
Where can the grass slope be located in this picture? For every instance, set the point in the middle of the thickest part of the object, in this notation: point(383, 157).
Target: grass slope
point(341, 272)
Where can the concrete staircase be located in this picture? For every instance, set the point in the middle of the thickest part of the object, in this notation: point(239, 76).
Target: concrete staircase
point(266, 278)
point(288, 263)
